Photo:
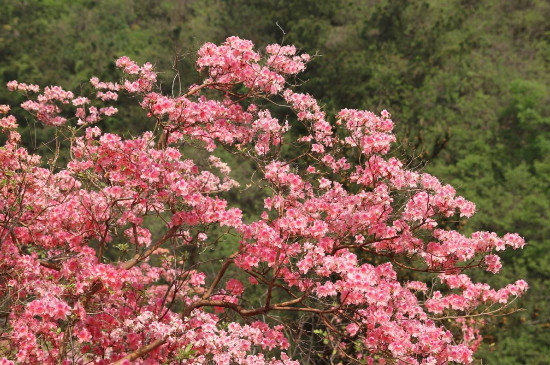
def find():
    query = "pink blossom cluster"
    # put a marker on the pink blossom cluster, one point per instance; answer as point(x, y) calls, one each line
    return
point(236, 61)
point(284, 60)
point(472, 294)
point(101, 85)
point(47, 108)
point(145, 81)
point(20, 86)
point(8, 122)
point(86, 278)
point(206, 120)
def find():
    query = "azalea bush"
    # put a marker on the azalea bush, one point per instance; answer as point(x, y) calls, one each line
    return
point(348, 237)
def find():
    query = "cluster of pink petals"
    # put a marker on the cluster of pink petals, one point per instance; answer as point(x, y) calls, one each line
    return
point(20, 86)
point(8, 122)
point(236, 61)
point(146, 77)
point(47, 106)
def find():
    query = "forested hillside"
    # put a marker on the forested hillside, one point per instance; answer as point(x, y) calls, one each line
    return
point(467, 83)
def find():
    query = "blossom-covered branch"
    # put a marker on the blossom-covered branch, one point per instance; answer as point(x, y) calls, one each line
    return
point(347, 234)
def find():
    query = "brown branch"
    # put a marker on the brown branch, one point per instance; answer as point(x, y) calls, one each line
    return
point(206, 84)
point(96, 286)
point(218, 277)
point(492, 313)
point(50, 265)
point(243, 312)
point(290, 302)
point(142, 351)
point(103, 240)
point(141, 256)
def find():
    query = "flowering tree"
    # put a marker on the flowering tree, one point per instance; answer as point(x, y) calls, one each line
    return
point(343, 227)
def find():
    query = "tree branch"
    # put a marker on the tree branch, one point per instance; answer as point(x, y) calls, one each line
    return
point(141, 256)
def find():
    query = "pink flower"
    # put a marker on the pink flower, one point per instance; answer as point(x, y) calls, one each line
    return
point(493, 263)
point(4, 109)
point(235, 287)
point(129, 66)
